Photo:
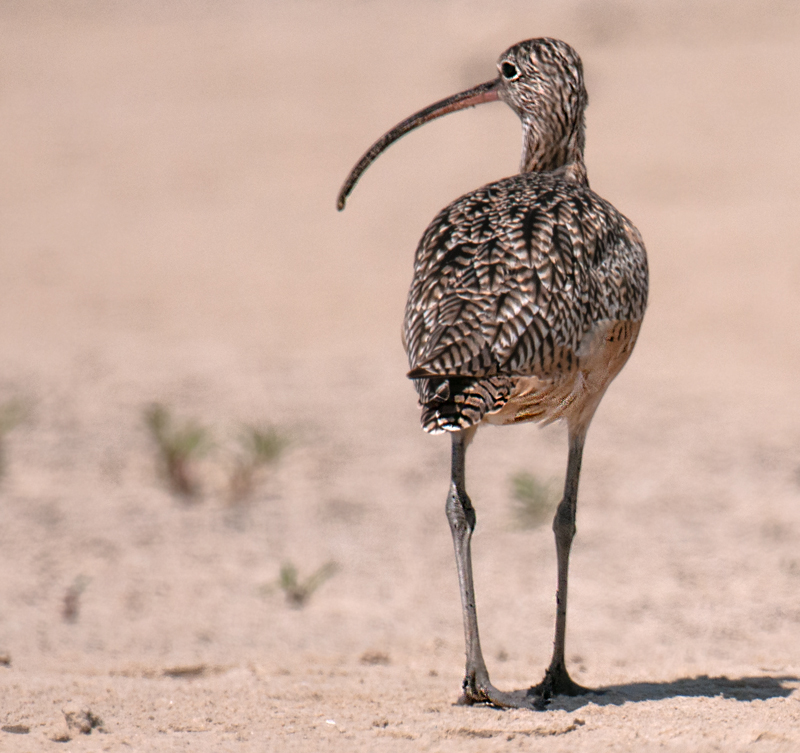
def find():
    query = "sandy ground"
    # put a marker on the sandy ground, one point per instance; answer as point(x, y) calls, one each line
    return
point(168, 233)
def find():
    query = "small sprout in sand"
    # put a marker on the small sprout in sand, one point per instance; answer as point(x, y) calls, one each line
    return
point(178, 447)
point(535, 501)
point(12, 413)
point(298, 592)
point(71, 605)
point(260, 447)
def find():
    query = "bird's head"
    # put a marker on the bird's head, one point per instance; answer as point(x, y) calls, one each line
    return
point(542, 81)
point(542, 76)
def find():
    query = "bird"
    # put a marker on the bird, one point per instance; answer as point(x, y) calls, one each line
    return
point(526, 301)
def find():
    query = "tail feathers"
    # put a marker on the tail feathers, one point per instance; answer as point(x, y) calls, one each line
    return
point(456, 403)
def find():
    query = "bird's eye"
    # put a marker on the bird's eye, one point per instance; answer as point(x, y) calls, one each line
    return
point(509, 70)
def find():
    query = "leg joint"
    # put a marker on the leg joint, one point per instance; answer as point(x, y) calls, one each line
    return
point(460, 512)
point(564, 522)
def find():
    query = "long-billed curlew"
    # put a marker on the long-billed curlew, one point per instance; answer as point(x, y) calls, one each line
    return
point(526, 302)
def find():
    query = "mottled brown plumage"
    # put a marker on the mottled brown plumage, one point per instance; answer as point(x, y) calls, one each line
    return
point(508, 282)
point(526, 301)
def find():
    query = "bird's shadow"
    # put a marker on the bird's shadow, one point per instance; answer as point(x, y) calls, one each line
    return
point(742, 689)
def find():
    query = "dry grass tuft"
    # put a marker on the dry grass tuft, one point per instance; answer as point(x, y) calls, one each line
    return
point(535, 501)
point(12, 413)
point(259, 447)
point(298, 592)
point(178, 447)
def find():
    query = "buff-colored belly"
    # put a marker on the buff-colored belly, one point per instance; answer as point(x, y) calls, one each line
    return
point(573, 395)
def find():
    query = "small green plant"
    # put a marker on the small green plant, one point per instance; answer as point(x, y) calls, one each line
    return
point(298, 592)
point(259, 447)
point(534, 501)
point(12, 413)
point(178, 448)
point(71, 604)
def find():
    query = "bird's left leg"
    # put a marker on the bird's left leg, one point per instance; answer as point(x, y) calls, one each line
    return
point(461, 516)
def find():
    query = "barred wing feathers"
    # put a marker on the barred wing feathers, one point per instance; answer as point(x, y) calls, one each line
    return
point(507, 281)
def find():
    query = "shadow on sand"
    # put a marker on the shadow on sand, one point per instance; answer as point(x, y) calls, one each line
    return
point(739, 689)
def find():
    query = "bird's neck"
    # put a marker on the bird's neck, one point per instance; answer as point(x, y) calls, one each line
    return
point(553, 146)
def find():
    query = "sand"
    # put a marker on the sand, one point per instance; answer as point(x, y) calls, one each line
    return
point(169, 235)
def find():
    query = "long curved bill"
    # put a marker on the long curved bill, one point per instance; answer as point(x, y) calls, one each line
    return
point(487, 92)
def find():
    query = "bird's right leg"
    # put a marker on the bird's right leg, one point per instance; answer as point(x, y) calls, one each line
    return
point(461, 516)
point(557, 680)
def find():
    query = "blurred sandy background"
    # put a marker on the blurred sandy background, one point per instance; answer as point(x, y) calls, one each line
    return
point(168, 175)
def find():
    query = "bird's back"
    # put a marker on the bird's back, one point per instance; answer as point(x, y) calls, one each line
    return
point(512, 284)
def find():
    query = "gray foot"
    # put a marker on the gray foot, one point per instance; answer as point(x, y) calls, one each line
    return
point(488, 695)
point(557, 682)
